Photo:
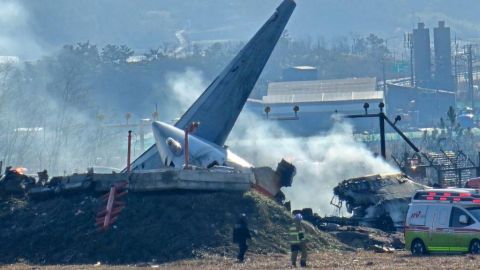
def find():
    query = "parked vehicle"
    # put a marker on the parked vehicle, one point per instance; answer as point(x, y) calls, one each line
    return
point(473, 183)
point(443, 220)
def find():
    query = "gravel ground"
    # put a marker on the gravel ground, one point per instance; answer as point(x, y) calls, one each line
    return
point(321, 260)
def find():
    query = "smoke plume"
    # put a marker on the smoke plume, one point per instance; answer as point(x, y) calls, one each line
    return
point(322, 161)
point(16, 37)
point(186, 87)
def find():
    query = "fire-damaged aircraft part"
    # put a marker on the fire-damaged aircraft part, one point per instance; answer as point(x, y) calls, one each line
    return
point(15, 181)
point(286, 171)
point(202, 153)
point(378, 200)
point(218, 107)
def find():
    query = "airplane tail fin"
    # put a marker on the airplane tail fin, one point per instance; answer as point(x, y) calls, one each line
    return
point(218, 107)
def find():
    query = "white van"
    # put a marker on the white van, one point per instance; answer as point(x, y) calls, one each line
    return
point(443, 220)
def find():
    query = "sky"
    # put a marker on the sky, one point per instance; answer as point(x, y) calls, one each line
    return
point(30, 29)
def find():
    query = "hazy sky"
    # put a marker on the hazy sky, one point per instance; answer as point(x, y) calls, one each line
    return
point(30, 28)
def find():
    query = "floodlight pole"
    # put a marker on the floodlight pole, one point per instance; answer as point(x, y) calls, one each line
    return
point(382, 118)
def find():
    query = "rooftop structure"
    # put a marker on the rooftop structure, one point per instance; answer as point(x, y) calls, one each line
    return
point(351, 89)
point(312, 103)
point(322, 86)
point(324, 97)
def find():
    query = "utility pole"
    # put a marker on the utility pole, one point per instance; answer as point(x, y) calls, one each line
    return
point(129, 150)
point(384, 76)
point(381, 118)
point(456, 64)
point(470, 75)
point(410, 45)
point(141, 130)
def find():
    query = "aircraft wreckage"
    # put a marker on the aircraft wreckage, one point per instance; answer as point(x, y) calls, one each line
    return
point(214, 114)
point(379, 200)
point(201, 161)
point(180, 159)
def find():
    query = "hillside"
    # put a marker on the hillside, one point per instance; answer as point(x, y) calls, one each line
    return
point(159, 228)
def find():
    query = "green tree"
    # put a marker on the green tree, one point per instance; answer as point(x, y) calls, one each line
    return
point(452, 116)
point(114, 54)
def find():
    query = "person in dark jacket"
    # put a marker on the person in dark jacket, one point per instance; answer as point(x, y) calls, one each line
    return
point(241, 234)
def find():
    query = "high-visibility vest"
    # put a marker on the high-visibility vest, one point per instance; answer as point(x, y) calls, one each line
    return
point(294, 235)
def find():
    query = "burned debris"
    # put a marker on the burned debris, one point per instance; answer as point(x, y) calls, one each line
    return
point(14, 181)
point(377, 200)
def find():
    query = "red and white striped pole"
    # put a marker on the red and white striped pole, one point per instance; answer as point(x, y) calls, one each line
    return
point(191, 128)
point(111, 198)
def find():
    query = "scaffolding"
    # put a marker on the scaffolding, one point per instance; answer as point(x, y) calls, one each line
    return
point(440, 169)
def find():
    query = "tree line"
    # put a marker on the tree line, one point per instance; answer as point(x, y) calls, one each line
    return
point(58, 112)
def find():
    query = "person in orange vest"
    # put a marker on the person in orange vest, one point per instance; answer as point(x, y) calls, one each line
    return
point(298, 241)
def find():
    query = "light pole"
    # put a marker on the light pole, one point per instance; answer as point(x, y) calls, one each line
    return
point(267, 110)
point(382, 119)
point(295, 110)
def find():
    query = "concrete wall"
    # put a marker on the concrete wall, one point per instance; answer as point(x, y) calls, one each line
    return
point(178, 179)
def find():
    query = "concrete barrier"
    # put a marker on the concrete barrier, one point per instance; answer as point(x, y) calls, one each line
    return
point(169, 179)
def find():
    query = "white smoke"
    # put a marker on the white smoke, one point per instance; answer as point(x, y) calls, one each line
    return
point(186, 87)
point(322, 161)
point(183, 43)
point(16, 37)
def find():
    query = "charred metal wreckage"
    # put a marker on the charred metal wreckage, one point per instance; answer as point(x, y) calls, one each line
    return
point(379, 200)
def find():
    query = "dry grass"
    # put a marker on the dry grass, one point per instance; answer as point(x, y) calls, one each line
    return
point(321, 260)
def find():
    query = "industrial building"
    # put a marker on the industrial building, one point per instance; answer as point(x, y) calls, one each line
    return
point(420, 107)
point(316, 102)
point(429, 98)
point(421, 54)
point(443, 58)
point(441, 78)
point(304, 105)
point(306, 108)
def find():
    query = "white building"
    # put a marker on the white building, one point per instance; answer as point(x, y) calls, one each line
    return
point(317, 101)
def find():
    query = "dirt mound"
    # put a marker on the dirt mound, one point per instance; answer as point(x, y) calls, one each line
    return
point(157, 227)
point(367, 238)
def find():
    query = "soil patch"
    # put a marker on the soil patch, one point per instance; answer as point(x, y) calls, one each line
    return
point(158, 227)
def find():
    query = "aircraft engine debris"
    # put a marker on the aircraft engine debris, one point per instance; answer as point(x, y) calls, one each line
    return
point(378, 200)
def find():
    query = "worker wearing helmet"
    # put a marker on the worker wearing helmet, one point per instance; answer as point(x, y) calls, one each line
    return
point(298, 241)
point(241, 234)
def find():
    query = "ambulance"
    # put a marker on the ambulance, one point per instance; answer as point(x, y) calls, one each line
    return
point(443, 220)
